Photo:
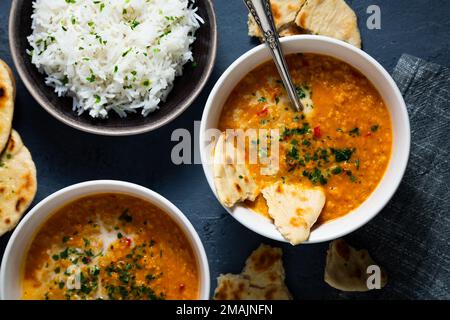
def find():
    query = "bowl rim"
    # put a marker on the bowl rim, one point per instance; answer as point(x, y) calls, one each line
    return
point(395, 179)
point(75, 191)
point(100, 130)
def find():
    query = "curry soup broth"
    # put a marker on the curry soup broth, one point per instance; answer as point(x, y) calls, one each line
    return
point(110, 246)
point(344, 144)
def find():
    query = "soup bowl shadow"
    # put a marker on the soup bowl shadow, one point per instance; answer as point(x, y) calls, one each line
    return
point(382, 81)
point(186, 88)
point(11, 271)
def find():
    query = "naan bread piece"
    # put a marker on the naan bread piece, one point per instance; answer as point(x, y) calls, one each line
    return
point(11, 76)
point(264, 267)
point(232, 177)
point(231, 287)
point(291, 30)
point(237, 287)
point(7, 93)
point(18, 183)
point(294, 209)
point(346, 267)
point(332, 18)
point(284, 13)
point(262, 278)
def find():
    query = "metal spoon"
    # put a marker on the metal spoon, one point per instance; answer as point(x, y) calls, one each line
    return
point(262, 12)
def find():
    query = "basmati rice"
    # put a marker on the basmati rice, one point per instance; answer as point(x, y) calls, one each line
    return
point(120, 55)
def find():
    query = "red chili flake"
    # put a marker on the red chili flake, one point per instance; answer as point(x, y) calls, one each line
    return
point(317, 132)
point(127, 241)
point(369, 134)
point(182, 286)
point(263, 112)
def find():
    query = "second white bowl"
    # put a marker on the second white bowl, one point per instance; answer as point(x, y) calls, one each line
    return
point(13, 258)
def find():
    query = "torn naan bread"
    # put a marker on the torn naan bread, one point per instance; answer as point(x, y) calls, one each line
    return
point(262, 278)
point(237, 287)
point(284, 13)
point(291, 30)
point(346, 267)
point(332, 18)
point(264, 267)
point(294, 209)
point(232, 177)
point(18, 183)
point(7, 94)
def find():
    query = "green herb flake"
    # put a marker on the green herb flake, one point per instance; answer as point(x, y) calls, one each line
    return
point(336, 170)
point(342, 155)
point(91, 78)
point(262, 99)
point(125, 216)
point(354, 132)
point(277, 100)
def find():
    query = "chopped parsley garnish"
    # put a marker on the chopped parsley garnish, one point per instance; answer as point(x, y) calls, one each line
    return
point(134, 24)
point(336, 170)
point(351, 176)
point(125, 216)
point(374, 128)
point(262, 99)
point(126, 52)
point(354, 132)
point(301, 94)
point(64, 254)
point(342, 155)
point(91, 78)
point(277, 100)
point(316, 176)
point(65, 80)
point(293, 153)
point(295, 131)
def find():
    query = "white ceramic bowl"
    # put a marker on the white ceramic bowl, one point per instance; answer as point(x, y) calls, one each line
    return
point(13, 258)
point(380, 79)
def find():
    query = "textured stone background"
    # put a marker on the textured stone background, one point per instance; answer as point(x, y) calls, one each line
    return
point(65, 156)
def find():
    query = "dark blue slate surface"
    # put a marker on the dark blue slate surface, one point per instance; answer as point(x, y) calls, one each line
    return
point(65, 156)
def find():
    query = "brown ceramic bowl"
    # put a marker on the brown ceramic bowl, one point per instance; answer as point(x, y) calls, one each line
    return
point(186, 87)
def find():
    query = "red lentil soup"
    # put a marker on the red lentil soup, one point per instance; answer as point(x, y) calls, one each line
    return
point(343, 143)
point(110, 246)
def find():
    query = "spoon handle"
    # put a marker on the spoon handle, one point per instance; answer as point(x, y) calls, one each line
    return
point(262, 13)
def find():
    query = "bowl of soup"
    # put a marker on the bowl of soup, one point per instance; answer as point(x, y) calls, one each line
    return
point(351, 140)
point(105, 240)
